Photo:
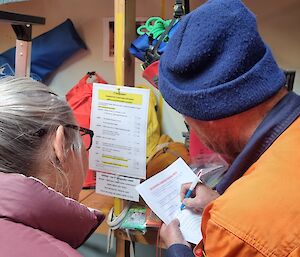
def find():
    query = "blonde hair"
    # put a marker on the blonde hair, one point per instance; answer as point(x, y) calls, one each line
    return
point(29, 117)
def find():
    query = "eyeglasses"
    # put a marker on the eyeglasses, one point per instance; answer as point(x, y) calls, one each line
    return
point(86, 134)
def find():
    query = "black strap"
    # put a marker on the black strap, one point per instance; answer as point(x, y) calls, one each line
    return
point(179, 9)
point(152, 54)
point(165, 33)
point(290, 78)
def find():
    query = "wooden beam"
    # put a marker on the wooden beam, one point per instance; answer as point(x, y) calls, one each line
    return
point(130, 35)
point(124, 34)
point(163, 9)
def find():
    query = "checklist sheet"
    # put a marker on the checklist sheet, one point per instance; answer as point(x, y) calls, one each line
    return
point(162, 194)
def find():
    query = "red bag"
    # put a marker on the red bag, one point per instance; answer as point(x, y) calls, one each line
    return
point(151, 73)
point(196, 146)
point(80, 99)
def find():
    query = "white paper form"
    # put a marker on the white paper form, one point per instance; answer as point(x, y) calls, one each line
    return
point(162, 194)
point(119, 120)
point(117, 186)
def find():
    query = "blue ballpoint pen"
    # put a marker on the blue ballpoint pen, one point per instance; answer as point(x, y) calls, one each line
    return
point(189, 192)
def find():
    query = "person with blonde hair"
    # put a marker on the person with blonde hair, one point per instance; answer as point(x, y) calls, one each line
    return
point(43, 164)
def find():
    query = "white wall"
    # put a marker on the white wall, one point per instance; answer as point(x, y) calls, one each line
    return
point(278, 22)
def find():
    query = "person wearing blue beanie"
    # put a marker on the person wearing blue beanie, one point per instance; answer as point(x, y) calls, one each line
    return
point(222, 77)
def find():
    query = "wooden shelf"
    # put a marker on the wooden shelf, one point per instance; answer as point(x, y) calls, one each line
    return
point(21, 19)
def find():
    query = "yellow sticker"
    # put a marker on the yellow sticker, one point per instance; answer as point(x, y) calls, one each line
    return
point(118, 96)
point(115, 158)
point(116, 164)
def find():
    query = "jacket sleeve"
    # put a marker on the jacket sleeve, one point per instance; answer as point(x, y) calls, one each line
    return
point(179, 250)
point(220, 242)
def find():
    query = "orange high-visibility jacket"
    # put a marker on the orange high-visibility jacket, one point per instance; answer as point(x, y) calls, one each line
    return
point(259, 214)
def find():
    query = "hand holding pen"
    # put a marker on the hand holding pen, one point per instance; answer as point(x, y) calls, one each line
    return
point(190, 191)
point(200, 193)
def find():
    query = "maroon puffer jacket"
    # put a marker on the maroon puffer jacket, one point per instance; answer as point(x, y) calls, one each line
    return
point(36, 221)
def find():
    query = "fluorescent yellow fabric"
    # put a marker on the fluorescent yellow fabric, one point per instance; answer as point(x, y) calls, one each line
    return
point(259, 214)
point(153, 127)
point(161, 150)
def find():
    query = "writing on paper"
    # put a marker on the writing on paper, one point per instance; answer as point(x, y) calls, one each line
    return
point(162, 194)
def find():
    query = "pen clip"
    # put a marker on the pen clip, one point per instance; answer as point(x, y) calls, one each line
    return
point(199, 172)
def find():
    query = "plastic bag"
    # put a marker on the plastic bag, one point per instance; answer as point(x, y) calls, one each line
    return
point(135, 219)
point(210, 168)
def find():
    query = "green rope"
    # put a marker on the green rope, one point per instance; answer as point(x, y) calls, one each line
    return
point(154, 27)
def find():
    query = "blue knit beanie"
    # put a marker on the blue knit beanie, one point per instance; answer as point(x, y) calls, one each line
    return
point(216, 64)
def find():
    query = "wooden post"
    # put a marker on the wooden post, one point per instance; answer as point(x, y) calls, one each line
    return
point(124, 34)
point(23, 57)
point(163, 9)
